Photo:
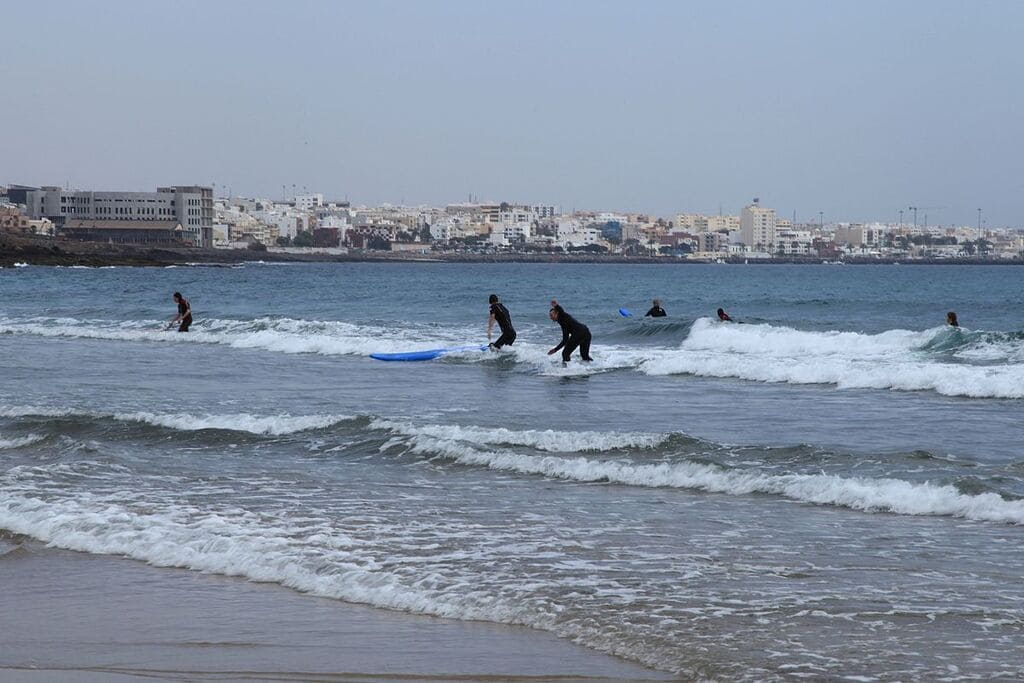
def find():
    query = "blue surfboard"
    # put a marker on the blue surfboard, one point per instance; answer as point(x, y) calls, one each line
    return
point(624, 312)
point(430, 354)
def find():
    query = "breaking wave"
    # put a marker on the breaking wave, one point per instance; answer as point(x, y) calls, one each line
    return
point(674, 460)
point(936, 360)
point(282, 335)
point(274, 425)
point(20, 441)
point(951, 362)
point(859, 493)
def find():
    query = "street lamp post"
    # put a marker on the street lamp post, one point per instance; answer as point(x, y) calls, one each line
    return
point(821, 220)
point(914, 209)
point(979, 224)
point(901, 220)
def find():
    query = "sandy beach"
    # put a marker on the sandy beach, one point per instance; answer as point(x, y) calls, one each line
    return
point(68, 616)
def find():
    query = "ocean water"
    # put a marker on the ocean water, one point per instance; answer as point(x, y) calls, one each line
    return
point(832, 487)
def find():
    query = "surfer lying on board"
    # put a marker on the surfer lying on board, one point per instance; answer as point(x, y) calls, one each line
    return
point(656, 310)
point(574, 334)
point(500, 315)
point(184, 313)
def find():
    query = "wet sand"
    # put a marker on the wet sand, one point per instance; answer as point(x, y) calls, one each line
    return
point(73, 617)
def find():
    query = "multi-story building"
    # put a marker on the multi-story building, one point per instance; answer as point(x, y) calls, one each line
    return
point(13, 220)
point(308, 202)
point(792, 243)
point(757, 227)
point(696, 223)
point(171, 215)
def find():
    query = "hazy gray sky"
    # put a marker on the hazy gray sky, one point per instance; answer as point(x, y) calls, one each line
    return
point(856, 109)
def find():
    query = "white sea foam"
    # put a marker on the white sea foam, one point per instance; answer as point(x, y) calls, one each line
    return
point(859, 493)
point(34, 411)
point(606, 359)
point(544, 440)
point(20, 441)
point(275, 425)
point(234, 543)
point(282, 335)
point(270, 425)
point(890, 360)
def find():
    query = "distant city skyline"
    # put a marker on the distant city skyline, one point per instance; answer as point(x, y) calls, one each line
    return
point(846, 111)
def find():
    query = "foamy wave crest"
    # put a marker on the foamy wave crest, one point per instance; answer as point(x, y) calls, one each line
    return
point(891, 360)
point(283, 335)
point(34, 411)
point(271, 425)
point(606, 359)
point(20, 441)
point(276, 425)
point(543, 440)
point(866, 494)
point(230, 542)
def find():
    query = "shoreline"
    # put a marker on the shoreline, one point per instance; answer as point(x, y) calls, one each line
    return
point(35, 251)
point(76, 617)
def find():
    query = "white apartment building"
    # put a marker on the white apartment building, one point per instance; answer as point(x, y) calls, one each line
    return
point(792, 242)
point(757, 227)
point(580, 237)
point(308, 202)
point(181, 213)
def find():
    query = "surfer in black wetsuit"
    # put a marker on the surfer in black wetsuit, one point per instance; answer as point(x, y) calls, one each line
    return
point(723, 316)
point(656, 310)
point(500, 315)
point(184, 316)
point(951, 319)
point(574, 334)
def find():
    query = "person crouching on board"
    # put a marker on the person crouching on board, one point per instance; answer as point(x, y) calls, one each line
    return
point(574, 334)
point(723, 316)
point(184, 316)
point(951, 319)
point(500, 315)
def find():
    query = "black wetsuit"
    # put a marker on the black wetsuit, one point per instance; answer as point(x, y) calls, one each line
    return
point(183, 309)
point(574, 334)
point(504, 318)
point(656, 312)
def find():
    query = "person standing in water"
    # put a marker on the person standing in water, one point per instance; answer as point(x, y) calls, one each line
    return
point(574, 334)
point(500, 315)
point(656, 310)
point(951, 319)
point(184, 316)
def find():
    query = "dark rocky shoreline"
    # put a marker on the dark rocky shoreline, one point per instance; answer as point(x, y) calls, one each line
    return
point(49, 252)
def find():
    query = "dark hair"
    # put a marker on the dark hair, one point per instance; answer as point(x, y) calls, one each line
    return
point(177, 295)
point(720, 311)
point(492, 299)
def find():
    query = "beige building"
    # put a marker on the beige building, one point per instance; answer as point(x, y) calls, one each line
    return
point(13, 220)
point(696, 223)
point(757, 227)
